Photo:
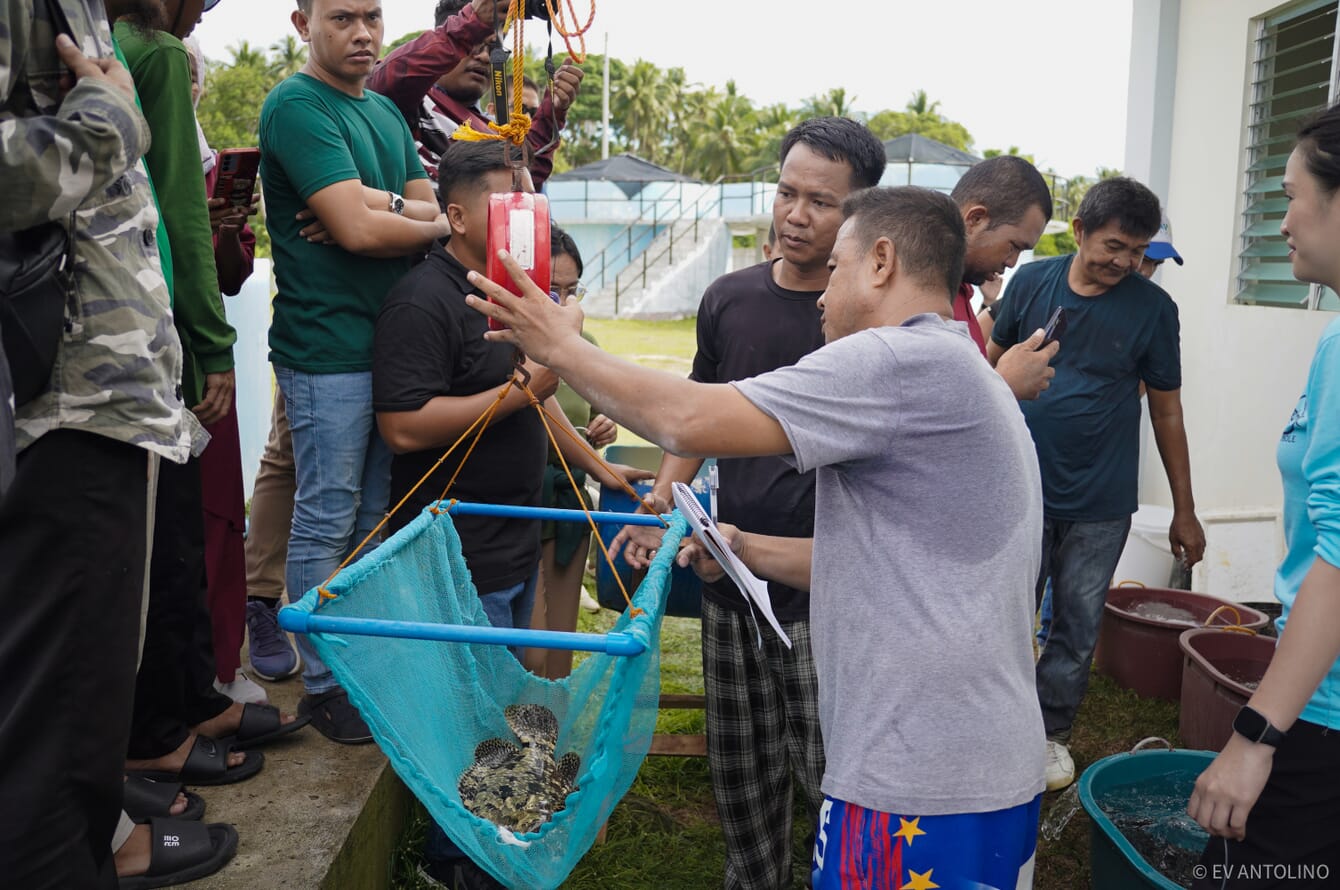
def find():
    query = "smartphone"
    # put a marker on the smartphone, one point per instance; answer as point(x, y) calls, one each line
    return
point(1055, 327)
point(237, 175)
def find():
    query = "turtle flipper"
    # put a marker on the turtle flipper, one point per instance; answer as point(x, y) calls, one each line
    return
point(495, 753)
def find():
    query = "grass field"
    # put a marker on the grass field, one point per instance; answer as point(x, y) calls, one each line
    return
point(664, 835)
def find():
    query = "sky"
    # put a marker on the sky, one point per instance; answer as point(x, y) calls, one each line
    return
point(1050, 78)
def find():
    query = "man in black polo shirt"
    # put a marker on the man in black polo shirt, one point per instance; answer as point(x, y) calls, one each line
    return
point(762, 704)
point(433, 375)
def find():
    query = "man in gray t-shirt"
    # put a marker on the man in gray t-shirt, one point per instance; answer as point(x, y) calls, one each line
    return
point(933, 720)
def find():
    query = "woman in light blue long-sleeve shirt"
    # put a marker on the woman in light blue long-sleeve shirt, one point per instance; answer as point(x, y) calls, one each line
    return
point(1272, 797)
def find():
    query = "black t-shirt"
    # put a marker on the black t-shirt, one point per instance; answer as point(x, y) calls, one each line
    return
point(747, 325)
point(428, 344)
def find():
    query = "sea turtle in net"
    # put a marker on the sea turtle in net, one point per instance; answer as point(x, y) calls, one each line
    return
point(520, 788)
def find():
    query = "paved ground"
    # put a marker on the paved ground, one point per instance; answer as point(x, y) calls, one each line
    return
point(298, 819)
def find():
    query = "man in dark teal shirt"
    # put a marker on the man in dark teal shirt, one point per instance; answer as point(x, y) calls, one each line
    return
point(335, 162)
point(1121, 331)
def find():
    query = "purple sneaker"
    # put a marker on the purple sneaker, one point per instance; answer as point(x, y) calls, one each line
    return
point(271, 652)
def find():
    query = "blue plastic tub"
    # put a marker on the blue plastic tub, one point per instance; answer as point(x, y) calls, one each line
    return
point(686, 591)
point(1150, 787)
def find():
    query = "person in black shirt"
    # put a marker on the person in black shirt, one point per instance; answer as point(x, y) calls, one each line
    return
point(433, 375)
point(762, 709)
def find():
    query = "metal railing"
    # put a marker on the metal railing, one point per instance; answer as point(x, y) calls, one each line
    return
point(621, 244)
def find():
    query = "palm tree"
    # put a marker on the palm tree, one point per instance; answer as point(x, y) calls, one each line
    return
point(642, 107)
point(834, 103)
point(725, 136)
point(289, 57)
point(244, 56)
point(920, 104)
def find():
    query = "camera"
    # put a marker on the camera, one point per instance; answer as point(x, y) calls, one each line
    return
point(536, 9)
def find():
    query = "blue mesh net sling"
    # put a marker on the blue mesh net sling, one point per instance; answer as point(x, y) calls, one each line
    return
point(405, 634)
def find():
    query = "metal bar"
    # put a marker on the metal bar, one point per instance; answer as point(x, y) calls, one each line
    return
point(514, 512)
point(304, 622)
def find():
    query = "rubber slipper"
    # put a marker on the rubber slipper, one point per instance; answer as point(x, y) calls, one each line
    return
point(145, 799)
point(261, 724)
point(207, 764)
point(183, 851)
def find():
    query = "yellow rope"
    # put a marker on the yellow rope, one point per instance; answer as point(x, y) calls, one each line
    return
point(518, 123)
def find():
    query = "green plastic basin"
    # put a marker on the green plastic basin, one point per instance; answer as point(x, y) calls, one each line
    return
point(1118, 782)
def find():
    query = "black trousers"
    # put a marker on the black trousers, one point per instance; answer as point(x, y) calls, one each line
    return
point(72, 551)
point(175, 686)
point(1293, 832)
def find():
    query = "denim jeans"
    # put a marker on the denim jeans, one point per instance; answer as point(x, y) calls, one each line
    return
point(509, 607)
point(1045, 615)
point(343, 474)
point(1079, 558)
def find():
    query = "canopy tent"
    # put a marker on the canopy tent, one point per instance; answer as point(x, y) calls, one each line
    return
point(627, 171)
point(918, 160)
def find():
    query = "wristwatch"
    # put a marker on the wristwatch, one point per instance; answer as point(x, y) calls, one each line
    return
point(397, 203)
point(1253, 725)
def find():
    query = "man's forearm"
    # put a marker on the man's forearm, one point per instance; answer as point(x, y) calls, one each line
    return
point(674, 469)
point(442, 420)
point(387, 235)
point(1170, 436)
point(409, 72)
point(784, 560)
point(676, 413)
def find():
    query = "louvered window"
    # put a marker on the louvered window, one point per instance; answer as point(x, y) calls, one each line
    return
point(1292, 77)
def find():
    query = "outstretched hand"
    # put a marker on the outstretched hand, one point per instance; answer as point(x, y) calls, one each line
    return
point(536, 324)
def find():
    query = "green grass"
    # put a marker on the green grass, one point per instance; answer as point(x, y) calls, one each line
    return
point(664, 835)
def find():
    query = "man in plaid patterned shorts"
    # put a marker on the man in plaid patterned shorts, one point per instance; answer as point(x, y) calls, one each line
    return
point(762, 708)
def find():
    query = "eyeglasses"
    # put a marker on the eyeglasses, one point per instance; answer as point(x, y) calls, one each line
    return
point(572, 291)
point(532, 110)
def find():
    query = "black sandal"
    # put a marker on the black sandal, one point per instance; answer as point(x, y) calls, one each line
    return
point(183, 851)
point(260, 724)
point(207, 764)
point(145, 799)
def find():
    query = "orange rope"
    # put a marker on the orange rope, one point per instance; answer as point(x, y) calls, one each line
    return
point(478, 427)
point(556, 16)
point(482, 419)
point(595, 532)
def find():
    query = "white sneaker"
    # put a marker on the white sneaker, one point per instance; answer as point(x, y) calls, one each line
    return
point(243, 689)
point(588, 602)
point(1060, 768)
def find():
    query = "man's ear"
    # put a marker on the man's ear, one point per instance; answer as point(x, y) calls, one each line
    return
point(976, 219)
point(301, 24)
point(456, 218)
point(1077, 229)
point(883, 258)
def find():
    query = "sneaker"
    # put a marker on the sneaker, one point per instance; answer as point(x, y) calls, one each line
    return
point(589, 602)
point(243, 690)
point(268, 647)
point(335, 717)
point(1060, 768)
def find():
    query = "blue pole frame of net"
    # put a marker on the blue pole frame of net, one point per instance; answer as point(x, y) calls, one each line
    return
point(303, 621)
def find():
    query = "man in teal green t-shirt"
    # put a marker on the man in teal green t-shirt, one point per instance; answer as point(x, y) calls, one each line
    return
point(335, 162)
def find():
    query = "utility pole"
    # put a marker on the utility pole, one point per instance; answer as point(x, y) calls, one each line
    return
point(605, 104)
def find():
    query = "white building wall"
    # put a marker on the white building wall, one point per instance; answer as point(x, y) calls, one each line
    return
point(1243, 366)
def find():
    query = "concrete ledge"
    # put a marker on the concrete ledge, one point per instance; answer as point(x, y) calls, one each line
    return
point(318, 815)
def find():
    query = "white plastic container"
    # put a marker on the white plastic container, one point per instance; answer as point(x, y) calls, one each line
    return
point(1147, 557)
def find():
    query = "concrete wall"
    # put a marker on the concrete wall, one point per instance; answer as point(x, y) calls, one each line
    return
point(678, 292)
point(1243, 366)
point(249, 313)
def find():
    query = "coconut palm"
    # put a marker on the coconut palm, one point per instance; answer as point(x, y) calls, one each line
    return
point(288, 57)
point(642, 105)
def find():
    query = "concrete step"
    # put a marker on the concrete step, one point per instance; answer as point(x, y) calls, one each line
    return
point(319, 815)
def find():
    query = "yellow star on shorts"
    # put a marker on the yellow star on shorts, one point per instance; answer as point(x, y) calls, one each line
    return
point(909, 830)
point(920, 880)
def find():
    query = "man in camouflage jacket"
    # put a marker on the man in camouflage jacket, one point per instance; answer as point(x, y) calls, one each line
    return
point(74, 524)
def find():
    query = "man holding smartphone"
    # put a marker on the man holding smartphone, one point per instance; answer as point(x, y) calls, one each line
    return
point(348, 204)
point(1121, 331)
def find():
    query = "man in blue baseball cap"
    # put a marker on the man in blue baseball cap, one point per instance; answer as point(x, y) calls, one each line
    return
point(1160, 249)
